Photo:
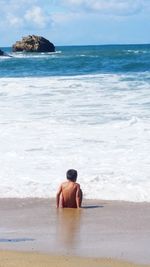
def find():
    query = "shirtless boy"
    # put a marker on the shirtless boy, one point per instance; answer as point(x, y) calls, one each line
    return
point(69, 192)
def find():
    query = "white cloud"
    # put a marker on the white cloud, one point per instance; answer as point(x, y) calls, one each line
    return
point(62, 18)
point(23, 13)
point(114, 7)
point(15, 5)
point(14, 21)
point(36, 15)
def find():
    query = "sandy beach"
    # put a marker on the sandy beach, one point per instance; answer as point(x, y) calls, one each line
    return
point(102, 233)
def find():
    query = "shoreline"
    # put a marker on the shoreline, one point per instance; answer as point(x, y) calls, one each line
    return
point(85, 200)
point(29, 259)
point(117, 230)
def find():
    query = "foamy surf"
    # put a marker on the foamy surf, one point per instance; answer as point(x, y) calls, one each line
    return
point(97, 124)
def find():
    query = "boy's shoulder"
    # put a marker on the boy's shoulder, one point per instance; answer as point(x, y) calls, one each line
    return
point(66, 183)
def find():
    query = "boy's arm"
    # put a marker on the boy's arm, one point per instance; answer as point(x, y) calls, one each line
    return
point(78, 200)
point(58, 196)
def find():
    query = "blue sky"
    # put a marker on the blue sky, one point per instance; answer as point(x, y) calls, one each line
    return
point(76, 22)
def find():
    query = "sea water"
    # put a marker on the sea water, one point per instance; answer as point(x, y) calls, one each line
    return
point(82, 107)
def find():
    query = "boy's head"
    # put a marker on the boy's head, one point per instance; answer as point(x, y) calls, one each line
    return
point(72, 175)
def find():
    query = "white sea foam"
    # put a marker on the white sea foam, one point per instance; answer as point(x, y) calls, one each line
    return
point(98, 125)
point(129, 51)
point(34, 55)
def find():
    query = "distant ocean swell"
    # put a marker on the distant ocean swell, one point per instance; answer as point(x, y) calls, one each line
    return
point(77, 60)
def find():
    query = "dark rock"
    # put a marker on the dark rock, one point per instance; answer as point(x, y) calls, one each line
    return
point(33, 43)
point(1, 53)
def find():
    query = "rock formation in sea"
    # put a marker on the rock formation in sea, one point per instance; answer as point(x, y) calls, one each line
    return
point(4, 54)
point(1, 53)
point(33, 43)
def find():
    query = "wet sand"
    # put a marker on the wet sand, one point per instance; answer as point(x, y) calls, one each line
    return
point(101, 229)
point(17, 259)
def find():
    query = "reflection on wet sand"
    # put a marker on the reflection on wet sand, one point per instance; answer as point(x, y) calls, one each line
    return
point(69, 222)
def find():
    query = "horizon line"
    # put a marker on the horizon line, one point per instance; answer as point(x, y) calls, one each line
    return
point(105, 44)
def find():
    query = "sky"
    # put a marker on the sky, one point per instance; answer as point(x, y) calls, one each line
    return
point(76, 22)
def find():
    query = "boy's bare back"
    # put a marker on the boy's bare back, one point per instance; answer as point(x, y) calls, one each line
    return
point(70, 194)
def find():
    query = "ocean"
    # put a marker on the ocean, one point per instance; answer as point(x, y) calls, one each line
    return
point(82, 107)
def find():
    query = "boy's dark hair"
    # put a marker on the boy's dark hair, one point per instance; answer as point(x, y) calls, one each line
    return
point(72, 175)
